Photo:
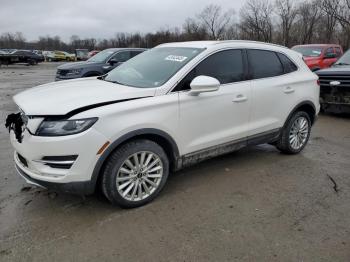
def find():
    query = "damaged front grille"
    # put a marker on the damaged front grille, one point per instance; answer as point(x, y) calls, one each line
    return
point(335, 89)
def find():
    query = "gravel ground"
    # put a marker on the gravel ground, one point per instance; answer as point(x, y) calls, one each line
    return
point(252, 205)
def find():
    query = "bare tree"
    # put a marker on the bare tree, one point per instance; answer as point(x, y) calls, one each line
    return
point(340, 9)
point(215, 21)
point(308, 16)
point(331, 11)
point(256, 22)
point(287, 13)
point(194, 30)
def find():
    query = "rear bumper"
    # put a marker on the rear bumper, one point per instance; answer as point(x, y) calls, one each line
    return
point(77, 188)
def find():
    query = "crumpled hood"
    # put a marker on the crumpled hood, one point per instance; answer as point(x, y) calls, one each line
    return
point(60, 98)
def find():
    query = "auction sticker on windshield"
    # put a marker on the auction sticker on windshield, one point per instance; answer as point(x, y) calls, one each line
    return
point(176, 58)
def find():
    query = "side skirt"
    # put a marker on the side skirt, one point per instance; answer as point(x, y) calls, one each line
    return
point(204, 154)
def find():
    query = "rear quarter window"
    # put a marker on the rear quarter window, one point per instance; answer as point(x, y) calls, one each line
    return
point(288, 65)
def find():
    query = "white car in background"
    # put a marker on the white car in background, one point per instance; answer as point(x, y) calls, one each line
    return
point(167, 108)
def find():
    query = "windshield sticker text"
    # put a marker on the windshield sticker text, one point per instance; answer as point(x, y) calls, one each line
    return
point(176, 58)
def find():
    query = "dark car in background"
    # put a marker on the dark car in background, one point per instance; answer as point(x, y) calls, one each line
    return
point(319, 56)
point(99, 64)
point(20, 56)
point(335, 86)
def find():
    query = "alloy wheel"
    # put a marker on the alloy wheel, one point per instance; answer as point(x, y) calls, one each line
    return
point(299, 133)
point(139, 176)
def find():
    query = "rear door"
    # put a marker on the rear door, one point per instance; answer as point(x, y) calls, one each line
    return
point(274, 89)
point(218, 117)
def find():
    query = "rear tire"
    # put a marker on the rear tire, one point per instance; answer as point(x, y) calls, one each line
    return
point(295, 134)
point(135, 173)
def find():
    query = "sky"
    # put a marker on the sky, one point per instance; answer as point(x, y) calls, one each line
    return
point(99, 18)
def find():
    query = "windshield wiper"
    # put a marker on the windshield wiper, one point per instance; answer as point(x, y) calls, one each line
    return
point(114, 82)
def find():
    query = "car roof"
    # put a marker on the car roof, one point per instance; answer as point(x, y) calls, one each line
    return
point(230, 43)
point(120, 48)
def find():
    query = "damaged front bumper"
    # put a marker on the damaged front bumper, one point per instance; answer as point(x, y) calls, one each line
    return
point(78, 188)
point(59, 163)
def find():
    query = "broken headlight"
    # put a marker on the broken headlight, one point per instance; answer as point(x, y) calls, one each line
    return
point(64, 127)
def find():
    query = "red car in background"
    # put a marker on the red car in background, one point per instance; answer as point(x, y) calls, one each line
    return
point(93, 52)
point(319, 56)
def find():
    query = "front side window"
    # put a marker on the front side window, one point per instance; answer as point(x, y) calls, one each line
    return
point(101, 57)
point(226, 66)
point(264, 64)
point(329, 51)
point(121, 56)
point(152, 68)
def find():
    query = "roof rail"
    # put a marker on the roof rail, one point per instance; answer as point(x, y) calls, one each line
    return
point(249, 41)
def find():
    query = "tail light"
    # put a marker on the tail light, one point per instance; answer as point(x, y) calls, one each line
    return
point(318, 82)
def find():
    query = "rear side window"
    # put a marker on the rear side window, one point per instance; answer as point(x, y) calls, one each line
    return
point(264, 64)
point(288, 65)
point(226, 66)
point(134, 53)
point(338, 51)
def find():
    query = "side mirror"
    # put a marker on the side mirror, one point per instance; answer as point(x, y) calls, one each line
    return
point(330, 55)
point(113, 61)
point(201, 84)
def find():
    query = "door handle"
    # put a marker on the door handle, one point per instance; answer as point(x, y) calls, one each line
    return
point(240, 98)
point(289, 90)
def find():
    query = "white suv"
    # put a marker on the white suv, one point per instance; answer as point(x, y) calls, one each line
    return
point(167, 108)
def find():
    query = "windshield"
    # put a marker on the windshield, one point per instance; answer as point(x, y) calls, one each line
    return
point(308, 51)
point(101, 57)
point(152, 68)
point(344, 60)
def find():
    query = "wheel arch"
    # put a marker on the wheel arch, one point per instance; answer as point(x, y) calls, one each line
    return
point(306, 106)
point(160, 137)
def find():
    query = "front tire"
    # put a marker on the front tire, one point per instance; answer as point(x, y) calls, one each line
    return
point(135, 173)
point(295, 134)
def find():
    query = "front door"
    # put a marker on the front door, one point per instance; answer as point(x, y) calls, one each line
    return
point(218, 117)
